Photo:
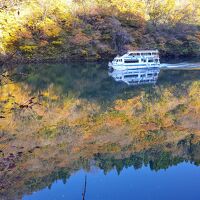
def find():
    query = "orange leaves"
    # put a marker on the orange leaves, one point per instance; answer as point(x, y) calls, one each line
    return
point(43, 43)
point(87, 136)
point(129, 7)
point(197, 35)
point(114, 122)
point(81, 39)
point(25, 34)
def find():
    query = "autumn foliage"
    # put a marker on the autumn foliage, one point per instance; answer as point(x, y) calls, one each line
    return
point(58, 29)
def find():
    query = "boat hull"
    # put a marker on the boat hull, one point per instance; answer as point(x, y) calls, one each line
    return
point(133, 66)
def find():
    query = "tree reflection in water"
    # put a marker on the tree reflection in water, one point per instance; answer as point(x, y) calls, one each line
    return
point(58, 119)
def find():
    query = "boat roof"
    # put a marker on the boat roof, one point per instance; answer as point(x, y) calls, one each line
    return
point(144, 51)
point(138, 51)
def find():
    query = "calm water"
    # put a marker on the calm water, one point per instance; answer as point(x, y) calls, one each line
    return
point(70, 131)
point(180, 182)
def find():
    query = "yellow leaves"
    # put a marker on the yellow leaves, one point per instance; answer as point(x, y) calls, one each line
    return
point(57, 42)
point(50, 93)
point(84, 52)
point(194, 93)
point(49, 27)
point(172, 11)
point(160, 11)
point(11, 94)
point(9, 28)
point(194, 90)
point(34, 18)
point(11, 91)
point(143, 113)
point(130, 7)
point(111, 148)
point(28, 49)
point(129, 106)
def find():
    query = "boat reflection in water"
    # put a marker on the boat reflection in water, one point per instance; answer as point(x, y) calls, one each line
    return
point(136, 76)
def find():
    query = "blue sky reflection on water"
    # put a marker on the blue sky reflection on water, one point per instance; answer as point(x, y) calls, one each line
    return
point(177, 182)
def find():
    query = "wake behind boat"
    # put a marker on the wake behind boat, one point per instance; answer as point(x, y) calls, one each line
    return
point(182, 65)
point(136, 60)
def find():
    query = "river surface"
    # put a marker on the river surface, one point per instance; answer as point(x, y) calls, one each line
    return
point(74, 131)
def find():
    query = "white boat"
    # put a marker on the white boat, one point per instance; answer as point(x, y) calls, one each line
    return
point(136, 60)
point(136, 76)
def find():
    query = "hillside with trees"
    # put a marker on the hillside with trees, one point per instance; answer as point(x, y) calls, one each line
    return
point(57, 30)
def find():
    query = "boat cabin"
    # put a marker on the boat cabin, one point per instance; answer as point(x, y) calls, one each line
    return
point(135, 59)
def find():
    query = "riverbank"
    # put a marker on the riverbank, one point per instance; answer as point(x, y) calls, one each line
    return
point(166, 62)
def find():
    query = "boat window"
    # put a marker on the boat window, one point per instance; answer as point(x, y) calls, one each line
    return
point(154, 53)
point(131, 61)
point(131, 76)
point(142, 75)
point(150, 60)
point(149, 75)
point(156, 60)
point(134, 54)
point(146, 54)
point(143, 60)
